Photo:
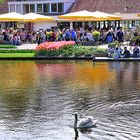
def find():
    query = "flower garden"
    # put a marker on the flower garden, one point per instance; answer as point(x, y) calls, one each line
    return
point(60, 49)
point(67, 49)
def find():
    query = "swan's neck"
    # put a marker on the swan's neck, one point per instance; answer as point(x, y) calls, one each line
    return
point(76, 120)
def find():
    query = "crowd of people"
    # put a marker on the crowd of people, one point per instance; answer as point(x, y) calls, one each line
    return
point(19, 36)
point(103, 36)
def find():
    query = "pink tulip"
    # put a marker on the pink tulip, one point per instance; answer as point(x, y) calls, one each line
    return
point(54, 45)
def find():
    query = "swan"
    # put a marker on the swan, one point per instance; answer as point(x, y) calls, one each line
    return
point(86, 122)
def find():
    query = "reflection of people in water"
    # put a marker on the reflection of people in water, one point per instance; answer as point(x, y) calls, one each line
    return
point(115, 65)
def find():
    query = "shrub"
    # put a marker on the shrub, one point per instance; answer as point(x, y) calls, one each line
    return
point(68, 50)
point(100, 52)
point(79, 52)
point(84, 51)
point(114, 44)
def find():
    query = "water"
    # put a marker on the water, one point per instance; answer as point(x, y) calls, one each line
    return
point(38, 99)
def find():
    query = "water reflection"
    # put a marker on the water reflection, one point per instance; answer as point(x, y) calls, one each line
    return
point(38, 98)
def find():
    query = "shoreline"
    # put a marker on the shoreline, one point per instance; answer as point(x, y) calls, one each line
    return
point(106, 59)
point(94, 59)
point(46, 58)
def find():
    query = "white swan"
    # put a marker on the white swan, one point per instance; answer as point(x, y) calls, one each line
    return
point(86, 122)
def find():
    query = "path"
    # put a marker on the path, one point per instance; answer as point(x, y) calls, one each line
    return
point(27, 46)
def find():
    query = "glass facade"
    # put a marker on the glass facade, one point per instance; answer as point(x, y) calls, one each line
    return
point(32, 8)
point(55, 7)
point(12, 8)
point(46, 8)
point(39, 8)
point(60, 7)
point(18, 8)
point(26, 8)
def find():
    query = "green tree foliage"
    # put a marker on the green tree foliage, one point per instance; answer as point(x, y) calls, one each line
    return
point(2, 1)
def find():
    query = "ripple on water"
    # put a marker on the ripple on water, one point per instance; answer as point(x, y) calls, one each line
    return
point(38, 100)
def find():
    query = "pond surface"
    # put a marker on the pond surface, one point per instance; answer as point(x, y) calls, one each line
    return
point(38, 99)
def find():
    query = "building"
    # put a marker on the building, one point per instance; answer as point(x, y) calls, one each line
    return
point(58, 7)
point(45, 7)
point(109, 6)
point(128, 9)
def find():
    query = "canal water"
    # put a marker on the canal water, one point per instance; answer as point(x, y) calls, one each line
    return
point(38, 100)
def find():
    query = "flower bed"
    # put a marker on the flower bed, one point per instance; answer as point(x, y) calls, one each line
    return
point(54, 45)
point(67, 49)
point(54, 48)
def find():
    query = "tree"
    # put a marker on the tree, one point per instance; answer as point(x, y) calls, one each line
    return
point(2, 1)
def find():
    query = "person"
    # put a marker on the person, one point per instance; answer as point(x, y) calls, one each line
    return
point(15, 40)
point(5, 36)
point(89, 36)
point(38, 38)
point(59, 35)
point(73, 35)
point(67, 35)
point(120, 35)
point(53, 36)
point(126, 53)
point(110, 51)
point(33, 37)
point(109, 37)
point(136, 52)
point(117, 53)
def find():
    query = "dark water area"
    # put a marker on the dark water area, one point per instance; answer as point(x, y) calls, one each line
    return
point(38, 99)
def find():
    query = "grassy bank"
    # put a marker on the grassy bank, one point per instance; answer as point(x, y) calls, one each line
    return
point(10, 53)
point(17, 55)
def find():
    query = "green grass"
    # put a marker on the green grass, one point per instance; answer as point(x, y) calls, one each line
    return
point(16, 51)
point(16, 55)
point(7, 46)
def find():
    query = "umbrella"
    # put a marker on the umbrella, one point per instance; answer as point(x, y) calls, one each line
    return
point(129, 16)
point(38, 17)
point(105, 16)
point(80, 15)
point(13, 16)
point(138, 15)
point(90, 16)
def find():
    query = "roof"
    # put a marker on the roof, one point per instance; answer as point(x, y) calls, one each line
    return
point(109, 6)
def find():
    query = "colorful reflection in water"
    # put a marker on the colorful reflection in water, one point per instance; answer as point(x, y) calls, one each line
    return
point(38, 98)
